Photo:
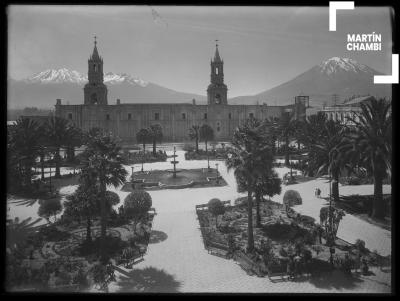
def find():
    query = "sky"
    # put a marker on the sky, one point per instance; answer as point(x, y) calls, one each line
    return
point(262, 47)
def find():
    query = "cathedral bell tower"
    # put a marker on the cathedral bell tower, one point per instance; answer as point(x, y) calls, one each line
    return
point(95, 90)
point(217, 91)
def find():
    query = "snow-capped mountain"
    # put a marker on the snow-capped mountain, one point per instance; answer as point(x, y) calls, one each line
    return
point(342, 76)
point(43, 88)
point(336, 65)
point(64, 75)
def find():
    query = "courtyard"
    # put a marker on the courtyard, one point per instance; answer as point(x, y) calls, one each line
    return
point(176, 260)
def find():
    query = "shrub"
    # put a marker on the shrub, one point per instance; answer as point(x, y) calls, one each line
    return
point(49, 208)
point(291, 198)
point(216, 207)
point(137, 204)
point(360, 245)
point(51, 233)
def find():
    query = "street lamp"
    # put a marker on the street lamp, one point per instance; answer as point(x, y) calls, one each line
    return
point(142, 160)
point(216, 165)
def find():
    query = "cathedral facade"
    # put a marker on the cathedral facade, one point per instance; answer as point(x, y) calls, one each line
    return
point(124, 120)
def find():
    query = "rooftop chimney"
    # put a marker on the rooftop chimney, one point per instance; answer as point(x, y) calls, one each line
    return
point(118, 101)
point(58, 101)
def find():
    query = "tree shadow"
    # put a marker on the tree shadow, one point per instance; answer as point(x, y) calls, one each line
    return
point(148, 280)
point(334, 280)
point(157, 236)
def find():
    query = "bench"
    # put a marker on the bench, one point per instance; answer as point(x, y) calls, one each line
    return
point(248, 264)
point(276, 273)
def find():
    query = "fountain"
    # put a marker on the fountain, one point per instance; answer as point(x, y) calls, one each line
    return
point(174, 162)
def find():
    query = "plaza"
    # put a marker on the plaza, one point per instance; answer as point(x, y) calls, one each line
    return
point(182, 256)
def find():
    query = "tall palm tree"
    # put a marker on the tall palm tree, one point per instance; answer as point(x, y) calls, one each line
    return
point(194, 134)
point(206, 134)
point(373, 141)
point(326, 155)
point(143, 137)
point(286, 128)
point(24, 139)
point(156, 135)
point(75, 139)
point(249, 156)
point(83, 202)
point(101, 158)
point(58, 134)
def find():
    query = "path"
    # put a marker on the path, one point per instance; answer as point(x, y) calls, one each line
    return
point(189, 268)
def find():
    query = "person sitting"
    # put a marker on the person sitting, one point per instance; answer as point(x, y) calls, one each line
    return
point(290, 269)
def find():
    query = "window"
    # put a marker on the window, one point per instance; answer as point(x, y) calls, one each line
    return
point(205, 115)
point(251, 115)
point(230, 116)
point(95, 67)
point(157, 116)
point(129, 116)
point(108, 116)
point(69, 115)
point(216, 70)
point(183, 116)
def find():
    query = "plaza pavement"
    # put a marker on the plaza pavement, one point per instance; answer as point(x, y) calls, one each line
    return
point(182, 255)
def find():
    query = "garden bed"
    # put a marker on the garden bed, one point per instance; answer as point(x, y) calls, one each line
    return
point(283, 235)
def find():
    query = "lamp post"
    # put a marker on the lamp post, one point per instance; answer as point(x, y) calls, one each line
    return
point(216, 165)
point(142, 160)
point(51, 192)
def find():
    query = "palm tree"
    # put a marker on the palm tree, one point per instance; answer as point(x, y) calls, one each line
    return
point(373, 141)
point(75, 139)
point(206, 134)
point(327, 155)
point(156, 135)
point(83, 202)
point(286, 128)
point(311, 131)
point(58, 134)
point(194, 134)
point(143, 137)
point(249, 157)
point(23, 144)
point(101, 158)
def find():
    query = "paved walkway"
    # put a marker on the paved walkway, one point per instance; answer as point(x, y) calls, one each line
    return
point(179, 262)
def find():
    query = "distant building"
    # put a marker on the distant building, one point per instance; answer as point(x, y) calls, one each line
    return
point(126, 119)
point(342, 112)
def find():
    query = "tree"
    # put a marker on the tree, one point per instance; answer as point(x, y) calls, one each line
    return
point(373, 141)
point(249, 156)
point(23, 147)
point(58, 133)
point(143, 137)
point(206, 134)
point(216, 207)
point(268, 184)
point(136, 205)
point(286, 129)
point(311, 131)
point(101, 159)
point(326, 155)
point(156, 135)
point(75, 139)
point(84, 201)
point(194, 134)
point(330, 218)
point(49, 208)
